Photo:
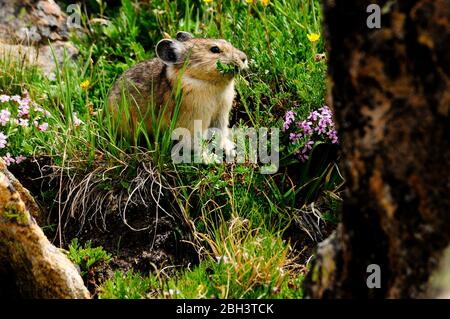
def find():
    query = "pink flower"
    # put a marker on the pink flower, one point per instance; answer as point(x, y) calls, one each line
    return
point(76, 121)
point(4, 98)
point(3, 140)
point(4, 116)
point(23, 122)
point(306, 127)
point(25, 102)
point(24, 110)
point(20, 159)
point(15, 98)
point(43, 127)
point(288, 119)
point(8, 159)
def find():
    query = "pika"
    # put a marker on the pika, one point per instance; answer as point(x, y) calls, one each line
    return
point(190, 64)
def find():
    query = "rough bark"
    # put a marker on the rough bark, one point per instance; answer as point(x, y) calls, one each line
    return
point(38, 269)
point(390, 93)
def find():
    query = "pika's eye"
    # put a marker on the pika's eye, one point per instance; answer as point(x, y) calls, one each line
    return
point(215, 49)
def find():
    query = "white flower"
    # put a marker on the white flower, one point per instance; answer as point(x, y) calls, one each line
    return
point(223, 259)
point(23, 122)
point(4, 116)
point(3, 140)
point(4, 98)
point(76, 121)
point(16, 98)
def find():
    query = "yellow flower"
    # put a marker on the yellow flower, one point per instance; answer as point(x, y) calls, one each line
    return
point(249, 1)
point(85, 84)
point(265, 3)
point(313, 37)
point(207, 1)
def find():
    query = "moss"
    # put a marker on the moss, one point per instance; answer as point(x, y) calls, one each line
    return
point(13, 213)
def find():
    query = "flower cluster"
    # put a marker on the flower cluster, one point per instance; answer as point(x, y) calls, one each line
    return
point(19, 116)
point(317, 128)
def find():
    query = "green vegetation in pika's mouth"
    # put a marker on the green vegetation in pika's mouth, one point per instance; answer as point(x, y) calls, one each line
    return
point(226, 68)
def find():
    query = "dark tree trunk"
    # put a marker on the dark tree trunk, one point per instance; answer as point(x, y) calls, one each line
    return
point(390, 93)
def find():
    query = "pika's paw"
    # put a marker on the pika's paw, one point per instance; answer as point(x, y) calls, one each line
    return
point(229, 148)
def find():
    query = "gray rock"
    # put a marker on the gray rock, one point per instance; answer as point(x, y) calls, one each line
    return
point(32, 22)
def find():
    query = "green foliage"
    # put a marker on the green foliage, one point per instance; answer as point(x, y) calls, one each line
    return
point(126, 286)
point(245, 264)
point(86, 257)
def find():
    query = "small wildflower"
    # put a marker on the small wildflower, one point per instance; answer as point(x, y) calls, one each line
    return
point(3, 140)
point(308, 146)
point(313, 37)
point(294, 136)
point(76, 121)
point(5, 115)
point(85, 84)
point(16, 98)
point(4, 98)
point(174, 292)
point(23, 122)
point(43, 127)
point(317, 127)
point(8, 159)
point(288, 119)
point(265, 3)
point(302, 157)
point(38, 109)
point(223, 259)
point(332, 135)
point(51, 77)
point(20, 159)
point(24, 102)
point(306, 127)
point(24, 110)
point(313, 116)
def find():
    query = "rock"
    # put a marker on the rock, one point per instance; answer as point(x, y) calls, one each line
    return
point(30, 203)
point(28, 28)
point(32, 22)
point(41, 56)
point(40, 269)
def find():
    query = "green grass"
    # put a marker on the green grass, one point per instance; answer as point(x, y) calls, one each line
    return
point(244, 262)
point(233, 210)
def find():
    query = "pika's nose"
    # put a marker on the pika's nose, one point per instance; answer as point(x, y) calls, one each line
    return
point(243, 58)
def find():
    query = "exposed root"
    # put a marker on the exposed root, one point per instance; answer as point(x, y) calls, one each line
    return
point(90, 197)
point(308, 219)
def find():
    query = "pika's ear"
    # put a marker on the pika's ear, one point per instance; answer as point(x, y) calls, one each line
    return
point(183, 36)
point(168, 50)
